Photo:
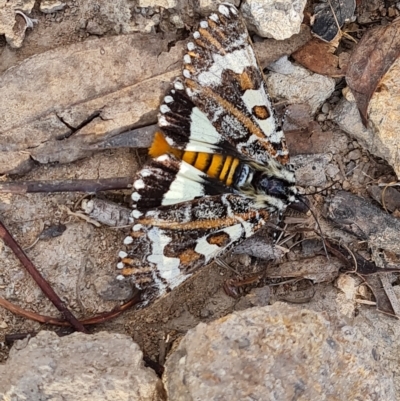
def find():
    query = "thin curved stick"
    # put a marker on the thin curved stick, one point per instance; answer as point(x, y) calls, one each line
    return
point(100, 318)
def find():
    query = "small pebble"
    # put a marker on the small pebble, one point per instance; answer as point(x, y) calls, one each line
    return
point(205, 313)
point(325, 108)
point(332, 170)
point(346, 185)
point(350, 166)
point(354, 154)
point(3, 324)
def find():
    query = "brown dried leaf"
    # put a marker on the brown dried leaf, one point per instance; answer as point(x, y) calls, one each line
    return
point(370, 60)
point(318, 57)
point(383, 303)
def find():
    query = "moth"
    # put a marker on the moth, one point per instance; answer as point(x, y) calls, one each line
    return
point(220, 164)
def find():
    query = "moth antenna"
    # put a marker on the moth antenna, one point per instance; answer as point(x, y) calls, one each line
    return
point(276, 240)
point(319, 227)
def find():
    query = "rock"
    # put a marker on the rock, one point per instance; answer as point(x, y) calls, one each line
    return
point(310, 169)
point(346, 185)
point(14, 22)
point(157, 3)
point(112, 17)
point(208, 6)
point(256, 297)
point(354, 154)
point(259, 247)
point(94, 28)
point(332, 170)
point(325, 108)
point(111, 289)
point(279, 350)
point(100, 88)
point(274, 19)
point(282, 66)
point(382, 137)
point(78, 367)
point(301, 86)
point(346, 299)
point(15, 162)
point(51, 6)
point(270, 50)
point(177, 21)
point(106, 212)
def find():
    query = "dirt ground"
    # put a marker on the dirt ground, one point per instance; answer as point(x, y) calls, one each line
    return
point(80, 264)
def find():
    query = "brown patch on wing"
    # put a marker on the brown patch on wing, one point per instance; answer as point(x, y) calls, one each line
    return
point(190, 68)
point(283, 159)
point(136, 234)
point(189, 256)
point(133, 271)
point(210, 39)
point(200, 43)
point(220, 239)
point(264, 215)
point(128, 261)
point(193, 54)
point(260, 112)
point(245, 81)
point(198, 224)
point(216, 29)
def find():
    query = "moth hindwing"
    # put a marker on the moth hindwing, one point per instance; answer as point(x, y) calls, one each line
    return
point(220, 165)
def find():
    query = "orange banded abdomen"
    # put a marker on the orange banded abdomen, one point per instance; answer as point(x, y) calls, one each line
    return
point(221, 167)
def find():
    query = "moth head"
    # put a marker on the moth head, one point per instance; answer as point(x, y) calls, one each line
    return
point(300, 204)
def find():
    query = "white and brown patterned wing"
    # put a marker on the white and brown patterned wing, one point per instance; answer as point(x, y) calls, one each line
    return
point(222, 101)
point(167, 180)
point(166, 246)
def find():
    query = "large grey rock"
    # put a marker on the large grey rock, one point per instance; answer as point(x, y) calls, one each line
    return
point(78, 367)
point(91, 92)
point(276, 353)
point(298, 85)
point(310, 169)
point(51, 6)
point(274, 19)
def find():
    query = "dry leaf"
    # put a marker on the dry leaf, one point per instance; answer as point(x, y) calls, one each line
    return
point(370, 60)
point(318, 57)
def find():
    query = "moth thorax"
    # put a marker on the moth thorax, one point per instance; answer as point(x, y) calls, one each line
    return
point(277, 187)
point(243, 175)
